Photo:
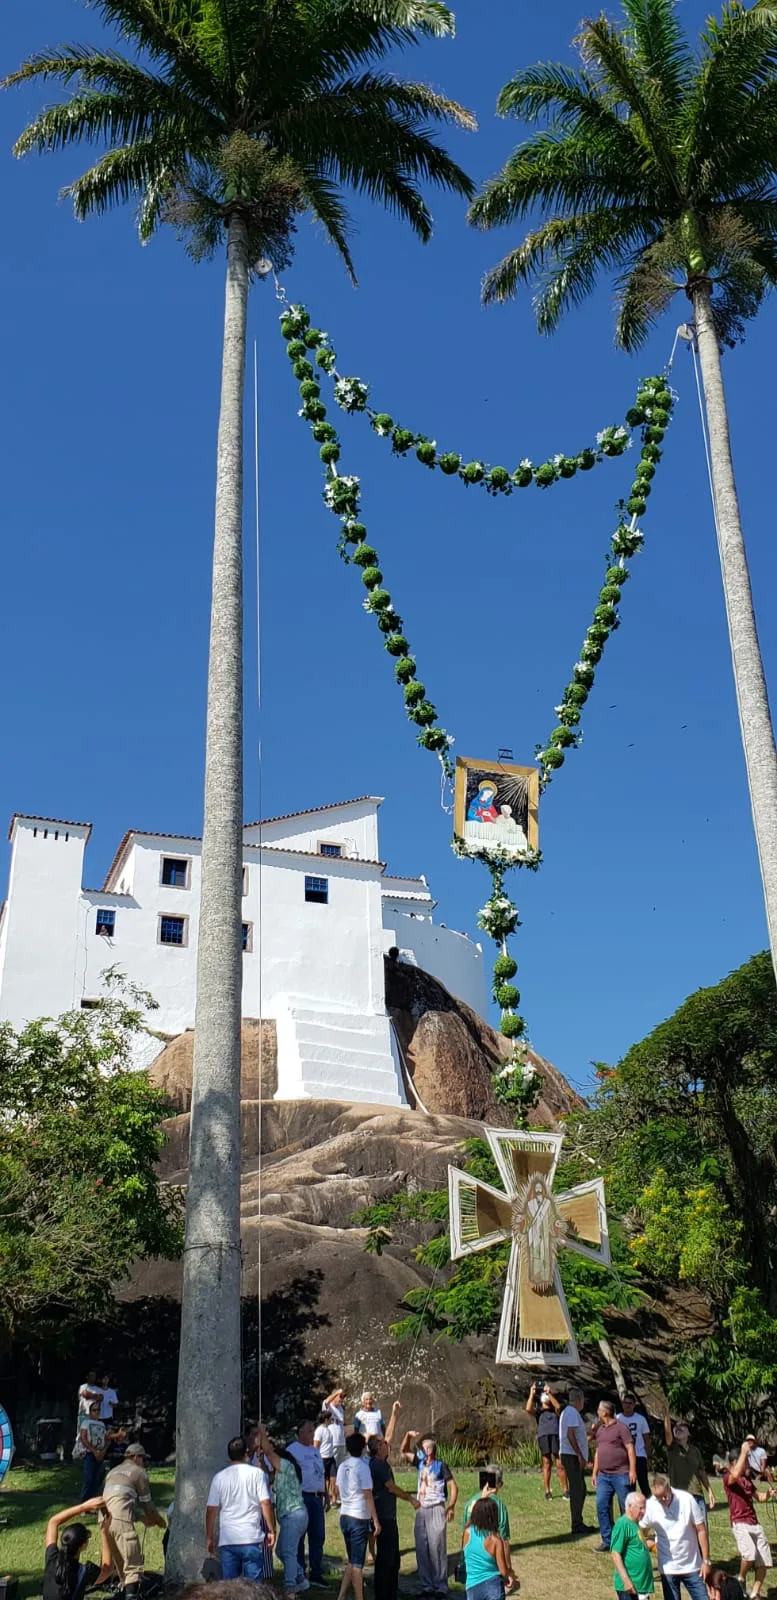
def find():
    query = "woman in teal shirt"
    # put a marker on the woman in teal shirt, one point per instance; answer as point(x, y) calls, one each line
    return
point(486, 1563)
point(290, 1511)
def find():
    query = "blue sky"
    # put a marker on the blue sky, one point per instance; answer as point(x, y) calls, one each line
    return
point(650, 884)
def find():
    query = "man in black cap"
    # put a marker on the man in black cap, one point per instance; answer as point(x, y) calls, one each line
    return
point(127, 1496)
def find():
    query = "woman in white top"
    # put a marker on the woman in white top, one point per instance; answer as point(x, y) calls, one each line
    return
point(334, 1407)
point(324, 1443)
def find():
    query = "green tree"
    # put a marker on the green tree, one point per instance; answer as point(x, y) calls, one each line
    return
point(80, 1136)
point(697, 1101)
point(228, 120)
point(656, 162)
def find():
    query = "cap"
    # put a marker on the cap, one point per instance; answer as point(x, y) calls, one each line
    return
point(748, 1437)
point(136, 1450)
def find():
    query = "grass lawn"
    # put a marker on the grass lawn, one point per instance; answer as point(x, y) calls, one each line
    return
point(548, 1564)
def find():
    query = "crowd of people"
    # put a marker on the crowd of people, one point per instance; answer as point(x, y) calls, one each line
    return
point(269, 1502)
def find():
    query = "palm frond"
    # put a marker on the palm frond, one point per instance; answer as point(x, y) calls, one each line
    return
point(120, 175)
point(643, 292)
point(570, 173)
point(623, 79)
point(662, 47)
point(563, 257)
point(325, 202)
point(372, 128)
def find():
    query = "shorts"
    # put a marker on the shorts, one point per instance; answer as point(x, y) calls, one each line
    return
point(752, 1543)
point(330, 1468)
point(548, 1443)
point(355, 1532)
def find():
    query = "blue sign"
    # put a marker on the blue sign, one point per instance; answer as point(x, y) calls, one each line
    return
point(6, 1443)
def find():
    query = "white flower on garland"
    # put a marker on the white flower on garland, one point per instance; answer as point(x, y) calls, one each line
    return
point(499, 912)
point(351, 394)
point(526, 464)
point(581, 669)
point(381, 430)
point(557, 460)
point(330, 492)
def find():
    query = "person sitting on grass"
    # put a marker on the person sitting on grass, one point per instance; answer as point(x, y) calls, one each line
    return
point(65, 1575)
point(487, 1565)
point(630, 1555)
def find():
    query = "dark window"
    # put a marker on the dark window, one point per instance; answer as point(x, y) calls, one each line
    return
point(106, 923)
point(246, 937)
point(174, 872)
point(89, 1005)
point(171, 930)
point(317, 890)
point(330, 849)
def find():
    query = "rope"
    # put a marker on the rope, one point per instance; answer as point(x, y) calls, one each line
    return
point(260, 1085)
point(418, 1332)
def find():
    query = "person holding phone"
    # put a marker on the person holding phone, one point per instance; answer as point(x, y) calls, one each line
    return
point(543, 1406)
point(491, 1481)
point(489, 1573)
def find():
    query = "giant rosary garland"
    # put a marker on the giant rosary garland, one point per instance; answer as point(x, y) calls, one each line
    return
point(342, 494)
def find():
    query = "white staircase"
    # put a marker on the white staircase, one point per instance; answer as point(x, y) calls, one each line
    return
point(336, 1055)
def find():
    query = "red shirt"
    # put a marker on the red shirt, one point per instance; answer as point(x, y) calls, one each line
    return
point(611, 1442)
point(740, 1492)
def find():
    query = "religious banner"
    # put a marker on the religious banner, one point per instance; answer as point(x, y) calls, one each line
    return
point(6, 1443)
point(535, 1330)
point(496, 807)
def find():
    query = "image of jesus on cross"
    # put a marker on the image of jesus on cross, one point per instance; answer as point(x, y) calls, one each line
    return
point(535, 1329)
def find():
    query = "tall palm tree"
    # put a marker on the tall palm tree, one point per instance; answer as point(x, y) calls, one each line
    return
point(656, 162)
point(229, 118)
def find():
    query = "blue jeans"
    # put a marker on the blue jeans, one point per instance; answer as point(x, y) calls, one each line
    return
point(490, 1589)
point(291, 1528)
point(242, 1561)
point(93, 1477)
point(670, 1583)
point(355, 1532)
point(608, 1484)
point(314, 1504)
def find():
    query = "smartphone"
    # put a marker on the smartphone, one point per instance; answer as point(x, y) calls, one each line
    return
point(488, 1480)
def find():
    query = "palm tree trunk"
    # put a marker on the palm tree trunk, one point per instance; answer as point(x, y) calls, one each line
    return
point(754, 715)
point(209, 1376)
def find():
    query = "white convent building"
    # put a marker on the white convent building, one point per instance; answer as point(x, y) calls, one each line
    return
point(329, 913)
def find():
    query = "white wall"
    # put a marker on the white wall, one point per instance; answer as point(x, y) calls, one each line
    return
point(354, 826)
point(38, 976)
point(449, 956)
point(325, 957)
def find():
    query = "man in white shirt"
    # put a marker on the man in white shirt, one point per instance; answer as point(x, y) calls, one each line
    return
point(334, 1406)
point(304, 1451)
point(573, 1450)
point(369, 1420)
point(109, 1400)
point(639, 1428)
point(324, 1443)
point(757, 1459)
point(357, 1513)
point(239, 1497)
point(88, 1391)
point(682, 1541)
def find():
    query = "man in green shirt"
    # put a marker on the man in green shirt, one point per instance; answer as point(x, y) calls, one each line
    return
point(631, 1558)
point(489, 1492)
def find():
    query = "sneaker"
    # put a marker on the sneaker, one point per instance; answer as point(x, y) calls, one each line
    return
point(565, 1496)
point(303, 1584)
point(319, 1583)
point(601, 1548)
point(548, 1495)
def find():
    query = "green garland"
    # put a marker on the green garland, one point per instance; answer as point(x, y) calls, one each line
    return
point(516, 1084)
point(653, 410)
point(351, 395)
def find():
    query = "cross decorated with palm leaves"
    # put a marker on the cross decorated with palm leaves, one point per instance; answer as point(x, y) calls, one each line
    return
point(535, 1330)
